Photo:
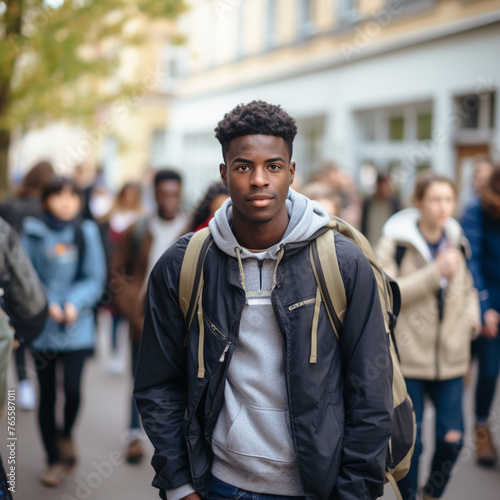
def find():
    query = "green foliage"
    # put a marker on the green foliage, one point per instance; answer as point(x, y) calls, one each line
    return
point(57, 56)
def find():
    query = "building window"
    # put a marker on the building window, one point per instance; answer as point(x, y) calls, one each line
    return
point(424, 126)
point(348, 10)
point(475, 111)
point(271, 36)
point(305, 18)
point(396, 128)
point(474, 118)
point(393, 140)
point(172, 62)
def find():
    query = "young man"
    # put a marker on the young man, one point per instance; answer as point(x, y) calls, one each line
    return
point(135, 255)
point(257, 416)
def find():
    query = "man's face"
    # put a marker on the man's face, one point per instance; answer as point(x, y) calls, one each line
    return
point(168, 198)
point(258, 174)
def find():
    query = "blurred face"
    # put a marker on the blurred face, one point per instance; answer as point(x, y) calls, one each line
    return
point(130, 197)
point(65, 205)
point(168, 198)
point(384, 189)
point(437, 204)
point(258, 174)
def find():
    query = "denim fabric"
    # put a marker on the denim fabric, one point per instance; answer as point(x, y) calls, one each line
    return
point(220, 491)
point(488, 355)
point(446, 396)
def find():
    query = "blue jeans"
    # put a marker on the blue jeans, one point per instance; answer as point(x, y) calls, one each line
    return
point(446, 396)
point(488, 355)
point(220, 491)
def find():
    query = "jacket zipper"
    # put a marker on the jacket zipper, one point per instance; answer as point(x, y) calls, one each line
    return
point(223, 355)
point(214, 328)
point(261, 264)
point(302, 303)
point(226, 358)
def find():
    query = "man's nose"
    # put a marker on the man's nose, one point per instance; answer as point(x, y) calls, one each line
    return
point(260, 177)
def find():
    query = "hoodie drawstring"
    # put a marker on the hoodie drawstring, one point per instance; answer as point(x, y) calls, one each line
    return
point(242, 274)
point(278, 260)
point(314, 330)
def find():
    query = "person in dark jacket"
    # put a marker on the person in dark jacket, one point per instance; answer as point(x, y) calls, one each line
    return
point(481, 223)
point(249, 414)
point(23, 310)
point(378, 208)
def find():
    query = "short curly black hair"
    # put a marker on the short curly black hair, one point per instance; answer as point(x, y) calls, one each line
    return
point(256, 117)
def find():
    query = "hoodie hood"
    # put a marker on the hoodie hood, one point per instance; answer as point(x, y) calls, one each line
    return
point(403, 227)
point(306, 218)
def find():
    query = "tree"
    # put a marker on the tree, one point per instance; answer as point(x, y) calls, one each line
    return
point(57, 55)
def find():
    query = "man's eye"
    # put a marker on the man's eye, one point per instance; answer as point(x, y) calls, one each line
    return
point(274, 167)
point(242, 167)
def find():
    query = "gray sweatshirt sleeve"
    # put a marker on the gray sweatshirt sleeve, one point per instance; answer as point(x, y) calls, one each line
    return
point(180, 492)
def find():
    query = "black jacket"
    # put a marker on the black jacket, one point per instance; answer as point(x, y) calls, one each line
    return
point(340, 407)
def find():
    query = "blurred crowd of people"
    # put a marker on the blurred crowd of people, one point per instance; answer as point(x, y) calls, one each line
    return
point(93, 252)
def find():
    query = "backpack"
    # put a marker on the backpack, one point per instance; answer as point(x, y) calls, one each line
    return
point(6, 341)
point(326, 271)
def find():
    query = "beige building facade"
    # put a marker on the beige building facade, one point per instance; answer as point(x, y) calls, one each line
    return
point(398, 85)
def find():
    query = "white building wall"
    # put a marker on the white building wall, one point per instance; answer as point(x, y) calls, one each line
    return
point(432, 71)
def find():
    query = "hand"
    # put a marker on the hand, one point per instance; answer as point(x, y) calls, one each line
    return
point(70, 313)
point(192, 496)
point(447, 262)
point(475, 327)
point(490, 327)
point(56, 313)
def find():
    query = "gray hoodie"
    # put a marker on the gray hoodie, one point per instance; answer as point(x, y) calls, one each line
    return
point(251, 440)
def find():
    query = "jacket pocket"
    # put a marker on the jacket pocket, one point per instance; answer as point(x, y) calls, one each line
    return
point(213, 328)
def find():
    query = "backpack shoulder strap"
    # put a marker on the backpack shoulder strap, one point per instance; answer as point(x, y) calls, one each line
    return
point(400, 253)
point(326, 270)
point(191, 277)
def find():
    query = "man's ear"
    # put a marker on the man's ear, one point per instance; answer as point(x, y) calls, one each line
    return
point(292, 172)
point(223, 173)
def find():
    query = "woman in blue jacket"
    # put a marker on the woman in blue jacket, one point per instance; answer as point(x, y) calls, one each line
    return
point(481, 223)
point(69, 258)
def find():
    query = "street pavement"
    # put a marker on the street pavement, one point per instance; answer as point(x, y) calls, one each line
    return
point(102, 473)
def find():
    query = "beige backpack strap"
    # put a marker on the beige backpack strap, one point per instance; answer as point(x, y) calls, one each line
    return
point(327, 273)
point(390, 479)
point(190, 282)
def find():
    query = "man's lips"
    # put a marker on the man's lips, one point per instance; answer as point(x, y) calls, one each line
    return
point(260, 200)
